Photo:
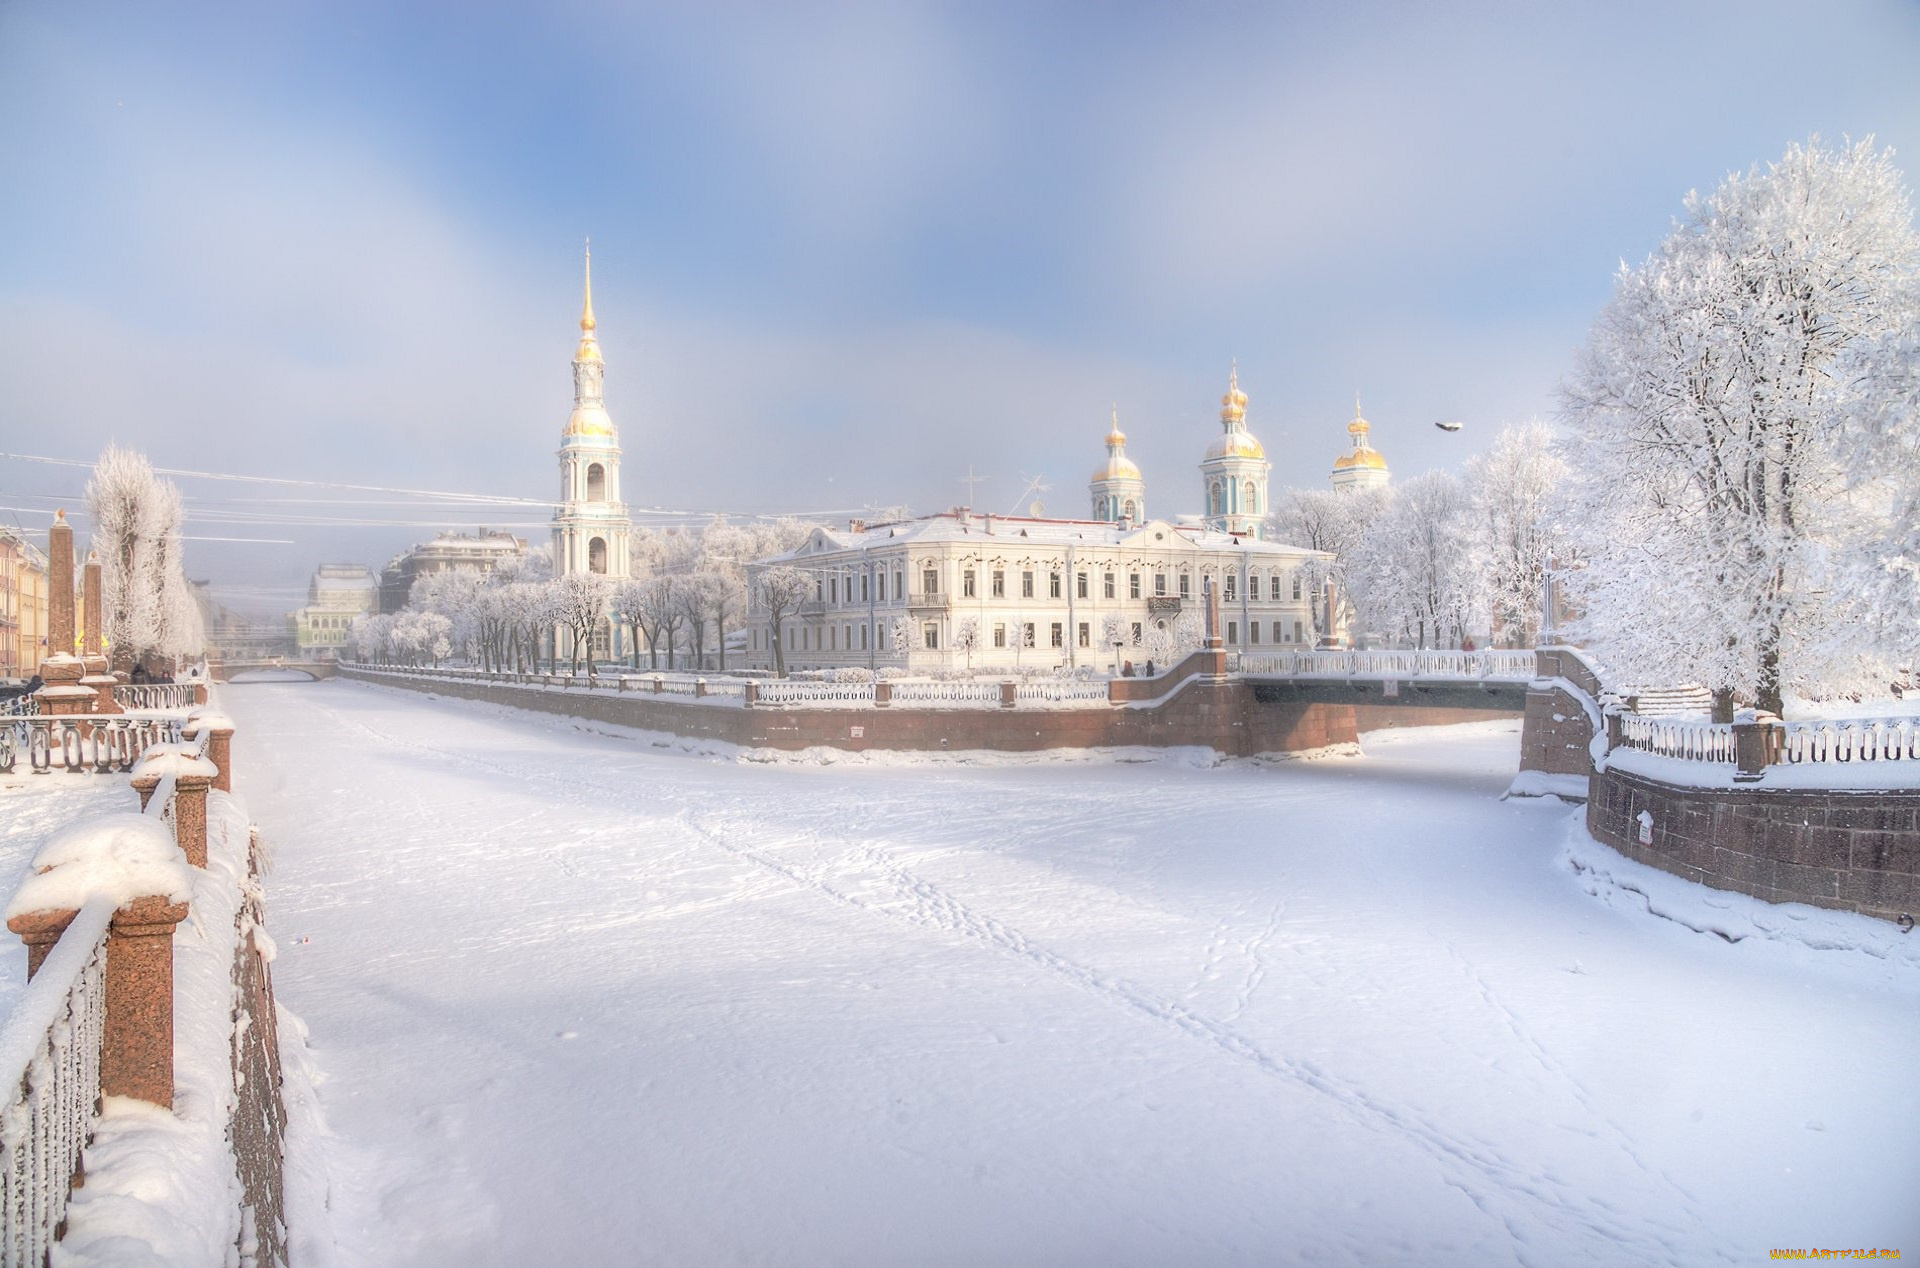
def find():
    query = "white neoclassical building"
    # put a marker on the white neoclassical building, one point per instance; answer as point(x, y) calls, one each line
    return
point(1031, 592)
point(591, 530)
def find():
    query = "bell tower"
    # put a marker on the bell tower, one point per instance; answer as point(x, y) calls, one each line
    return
point(590, 527)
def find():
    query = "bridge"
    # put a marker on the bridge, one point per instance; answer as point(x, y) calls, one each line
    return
point(1493, 679)
point(224, 670)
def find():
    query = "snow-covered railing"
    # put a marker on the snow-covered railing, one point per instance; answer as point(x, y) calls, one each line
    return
point(21, 706)
point(947, 693)
point(154, 695)
point(100, 742)
point(1499, 663)
point(780, 692)
point(1060, 691)
point(1849, 740)
point(1672, 737)
point(50, 1058)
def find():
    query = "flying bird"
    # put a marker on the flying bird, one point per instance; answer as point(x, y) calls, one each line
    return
point(1449, 426)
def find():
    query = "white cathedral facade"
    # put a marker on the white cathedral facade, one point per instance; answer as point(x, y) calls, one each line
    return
point(961, 590)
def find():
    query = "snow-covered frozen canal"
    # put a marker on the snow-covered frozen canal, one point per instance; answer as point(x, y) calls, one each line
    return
point(577, 999)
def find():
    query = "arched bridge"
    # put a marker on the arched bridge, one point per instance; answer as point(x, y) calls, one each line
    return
point(1494, 679)
point(228, 670)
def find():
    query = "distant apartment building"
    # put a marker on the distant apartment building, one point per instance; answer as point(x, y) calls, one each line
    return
point(447, 552)
point(24, 600)
point(338, 595)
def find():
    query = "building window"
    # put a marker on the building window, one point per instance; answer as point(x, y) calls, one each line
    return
point(863, 587)
point(1026, 634)
point(833, 637)
point(596, 483)
point(863, 638)
point(1053, 585)
point(1080, 585)
point(1298, 635)
point(1252, 505)
point(602, 639)
point(1233, 631)
point(930, 581)
point(597, 555)
point(1253, 629)
point(1273, 588)
point(1296, 587)
point(1186, 586)
point(1159, 585)
point(999, 583)
point(833, 591)
point(930, 632)
point(1253, 586)
point(1026, 584)
point(1133, 585)
point(1086, 634)
point(883, 585)
point(1216, 499)
point(899, 585)
point(966, 583)
point(1107, 586)
point(1128, 512)
point(1232, 588)
point(999, 633)
point(1055, 636)
point(1280, 631)
point(1134, 631)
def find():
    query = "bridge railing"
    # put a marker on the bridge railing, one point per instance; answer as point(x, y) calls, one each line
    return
point(1497, 663)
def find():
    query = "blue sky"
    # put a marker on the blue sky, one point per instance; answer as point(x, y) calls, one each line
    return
point(842, 252)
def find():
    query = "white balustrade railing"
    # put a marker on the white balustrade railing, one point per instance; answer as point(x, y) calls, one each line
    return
point(1505, 664)
point(100, 742)
point(50, 1059)
point(1673, 737)
point(817, 693)
point(154, 695)
point(947, 693)
point(1850, 740)
point(1061, 691)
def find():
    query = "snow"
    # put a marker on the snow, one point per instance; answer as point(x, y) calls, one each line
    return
point(161, 1187)
point(575, 998)
point(122, 856)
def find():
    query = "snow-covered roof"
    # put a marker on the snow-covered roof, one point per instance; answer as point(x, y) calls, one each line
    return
point(1012, 531)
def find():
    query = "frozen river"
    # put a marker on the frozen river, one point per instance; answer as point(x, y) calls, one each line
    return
point(578, 999)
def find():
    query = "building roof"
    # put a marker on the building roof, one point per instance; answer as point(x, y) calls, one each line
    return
point(1012, 532)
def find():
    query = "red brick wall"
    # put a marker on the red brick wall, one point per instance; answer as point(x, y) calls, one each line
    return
point(1852, 851)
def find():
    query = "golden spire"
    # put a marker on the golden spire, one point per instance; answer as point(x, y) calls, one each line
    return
point(1116, 436)
point(1358, 427)
point(586, 314)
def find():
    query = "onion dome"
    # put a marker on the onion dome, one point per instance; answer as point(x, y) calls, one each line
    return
point(1235, 440)
point(589, 419)
point(1118, 465)
point(1363, 455)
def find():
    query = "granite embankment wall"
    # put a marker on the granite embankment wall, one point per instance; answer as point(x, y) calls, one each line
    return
point(1856, 851)
point(1203, 710)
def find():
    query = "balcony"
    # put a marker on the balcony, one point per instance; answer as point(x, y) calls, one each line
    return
point(922, 601)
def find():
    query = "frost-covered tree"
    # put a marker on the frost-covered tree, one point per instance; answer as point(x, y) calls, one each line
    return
point(1113, 632)
point(1335, 521)
point(1711, 423)
point(780, 592)
point(580, 603)
point(1414, 576)
point(149, 607)
point(1512, 486)
point(966, 638)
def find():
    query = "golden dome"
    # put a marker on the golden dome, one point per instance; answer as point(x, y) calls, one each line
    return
point(1236, 444)
point(589, 420)
point(1233, 406)
point(1369, 458)
point(1119, 466)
